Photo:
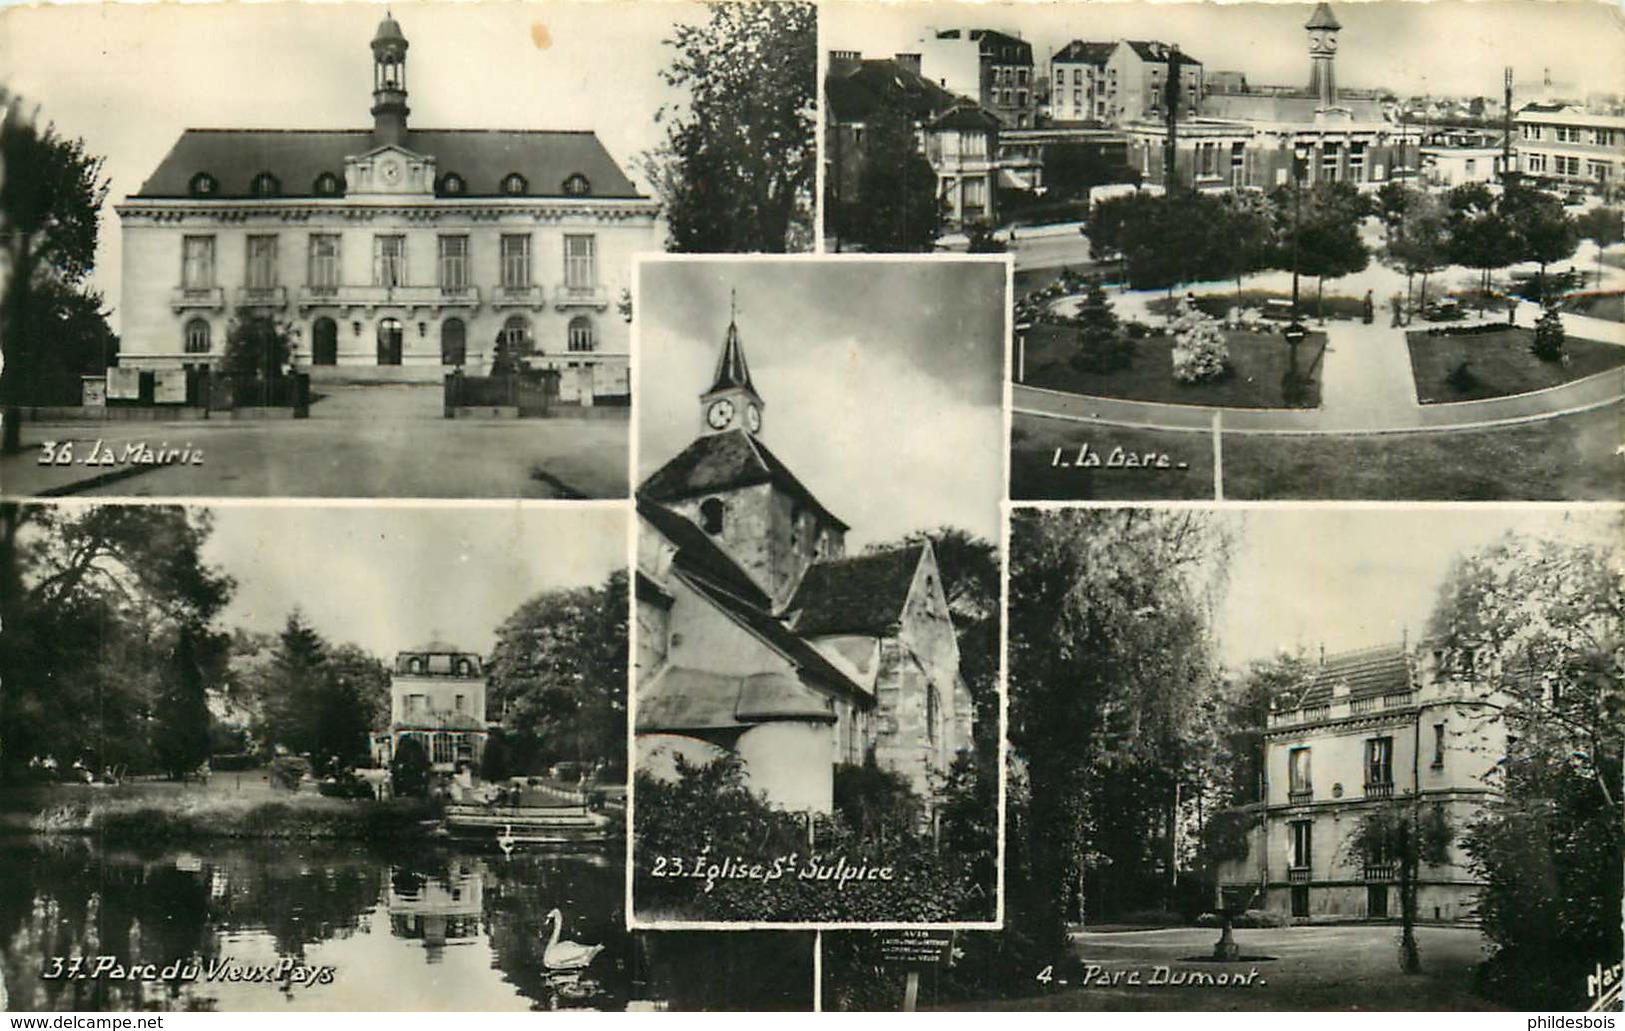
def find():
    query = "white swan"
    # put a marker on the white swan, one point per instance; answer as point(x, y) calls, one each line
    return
point(505, 840)
point(566, 955)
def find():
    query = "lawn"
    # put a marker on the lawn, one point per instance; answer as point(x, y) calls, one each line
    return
point(1259, 363)
point(1499, 363)
point(1597, 306)
point(1036, 473)
point(1571, 458)
point(1219, 305)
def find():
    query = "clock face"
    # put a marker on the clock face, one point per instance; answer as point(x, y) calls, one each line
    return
point(753, 418)
point(390, 171)
point(1323, 42)
point(720, 413)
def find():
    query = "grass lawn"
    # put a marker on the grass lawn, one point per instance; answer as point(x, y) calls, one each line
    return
point(1501, 363)
point(1036, 473)
point(1571, 458)
point(1314, 968)
point(1258, 360)
point(1597, 306)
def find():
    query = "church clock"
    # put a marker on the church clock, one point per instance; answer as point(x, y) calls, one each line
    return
point(720, 414)
point(753, 417)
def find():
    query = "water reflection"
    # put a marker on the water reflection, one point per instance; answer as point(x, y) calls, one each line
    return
point(321, 926)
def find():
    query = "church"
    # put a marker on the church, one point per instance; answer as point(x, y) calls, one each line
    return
point(759, 636)
point(394, 252)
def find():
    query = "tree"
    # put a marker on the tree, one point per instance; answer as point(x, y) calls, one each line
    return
point(1108, 652)
point(1480, 236)
point(1603, 227)
point(897, 207)
point(1542, 622)
point(1318, 233)
point(258, 347)
point(738, 165)
point(1420, 241)
point(1549, 336)
point(181, 737)
point(1405, 835)
point(72, 319)
point(982, 241)
point(1392, 203)
point(290, 689)
point(50, 212)
point(559, 672)
point(1102, 345)
point(409, 769)
point(1543, 232)
point(97, 601)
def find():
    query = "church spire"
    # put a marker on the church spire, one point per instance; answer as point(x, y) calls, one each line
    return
point(732, 401)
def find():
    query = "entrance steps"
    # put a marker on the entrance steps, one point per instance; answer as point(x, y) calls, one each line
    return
point(347, 374)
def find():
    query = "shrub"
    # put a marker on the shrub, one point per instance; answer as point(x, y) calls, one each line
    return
point(1152, 918)
point(1200, 352)
point(409, 770)
point(345, 785)
point(287, 771)
point(1102, 346)
point(1461, 378)
point(1256, 918)
point(1549, 337)
point(875, 801)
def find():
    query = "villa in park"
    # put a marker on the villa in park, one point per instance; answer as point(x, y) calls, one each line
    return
point(394, 252)
point(437, 697)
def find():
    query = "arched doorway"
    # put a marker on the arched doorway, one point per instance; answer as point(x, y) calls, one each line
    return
point(453, 342)
point(389, 341)
point(324, 342)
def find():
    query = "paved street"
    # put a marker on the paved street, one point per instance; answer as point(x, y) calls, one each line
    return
point(374, 441)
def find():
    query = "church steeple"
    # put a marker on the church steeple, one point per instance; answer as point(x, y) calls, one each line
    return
point(732, 402)
point(389, 108)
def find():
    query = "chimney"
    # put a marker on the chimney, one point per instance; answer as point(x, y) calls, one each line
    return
point(909, 61)
point(844, 62)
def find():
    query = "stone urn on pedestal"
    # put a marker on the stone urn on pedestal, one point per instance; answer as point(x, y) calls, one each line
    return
point(1231, 900)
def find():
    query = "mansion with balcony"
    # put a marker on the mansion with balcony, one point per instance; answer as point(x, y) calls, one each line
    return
point(436, 697)
point(423, 249)
point(1384, 726)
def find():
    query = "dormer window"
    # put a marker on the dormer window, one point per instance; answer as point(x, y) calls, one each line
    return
point(465, 668)
point(265, 185)
point(514, 185)
point(328, 185)
point(577, 186)
point(712, 511)
point(204, 185)
point(452, 185)
point(414, 666)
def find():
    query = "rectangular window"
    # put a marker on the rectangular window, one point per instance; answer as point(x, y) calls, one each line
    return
point(1379, 765)
point(261, 263)
point(1531, 132)
point(515, 262)
point(1602, 137)
point(1599, 171)
point(458, 703)
point(388, 261)
point(1298, 774)
point(1535, 163)
point(444, 751)
point(973, 144)
point(1302, 843)
point(454, 263)
point(415, 704)
point(975, 194)
point(1568, 165)
point(324, 262)
point(580, 262)
point(1438, 746)
point(197, 263)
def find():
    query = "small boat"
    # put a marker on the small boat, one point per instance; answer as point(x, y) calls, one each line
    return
point(566, 955)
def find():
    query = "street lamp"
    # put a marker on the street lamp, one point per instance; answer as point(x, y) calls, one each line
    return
point(1295, 331)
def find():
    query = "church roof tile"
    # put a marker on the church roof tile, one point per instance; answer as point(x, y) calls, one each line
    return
point(860, 595)
point(727, 461)
point(1366, 673)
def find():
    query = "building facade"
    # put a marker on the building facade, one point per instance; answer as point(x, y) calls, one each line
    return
point(963, 148)
point(424, 249)
point(991, 67)
point(1120, 81)
point(759, 637)
point(1415, 728)
point(437, 697)
point(1569, 147)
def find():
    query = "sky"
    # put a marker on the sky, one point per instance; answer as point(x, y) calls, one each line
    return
point(391, 578)
point(1355, 577)
point(1450, 47)
point(881, 380)
point(128, 78)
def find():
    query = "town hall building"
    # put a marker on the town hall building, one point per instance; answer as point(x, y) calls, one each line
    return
point(394, 246)
point(759, 636)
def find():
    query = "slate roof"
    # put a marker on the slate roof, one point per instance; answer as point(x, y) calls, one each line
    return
point(1367, 673)
point(699, 555)
point(860, 595)
point(1323, 18)
point(855, 96)
point(965, 116)
point(991, 40)
point(483, 157)
point(1284, 109)
point(727, 461)
point(1152, 50)
point(678, 698)
point(732, 371)
point(1081, 51)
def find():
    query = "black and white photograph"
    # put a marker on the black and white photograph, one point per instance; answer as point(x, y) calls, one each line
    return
point(1363, 251)
point(359, 251)
point(817, 706)
point(368, 775)
point(1299, 759)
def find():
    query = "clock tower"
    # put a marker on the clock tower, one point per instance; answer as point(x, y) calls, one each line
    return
point(732, 402)
point(1322, 27)
point(389, 108)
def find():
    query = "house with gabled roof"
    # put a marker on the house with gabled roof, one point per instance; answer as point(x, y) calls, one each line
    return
point(758, 636)
point(395, 252)
point(1394, 725)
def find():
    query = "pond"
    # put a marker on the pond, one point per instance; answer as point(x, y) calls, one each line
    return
point(322, 926)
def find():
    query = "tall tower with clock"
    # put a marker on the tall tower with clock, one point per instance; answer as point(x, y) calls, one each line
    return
point(389, 108)
point(1322, 27)
point(732, 402)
